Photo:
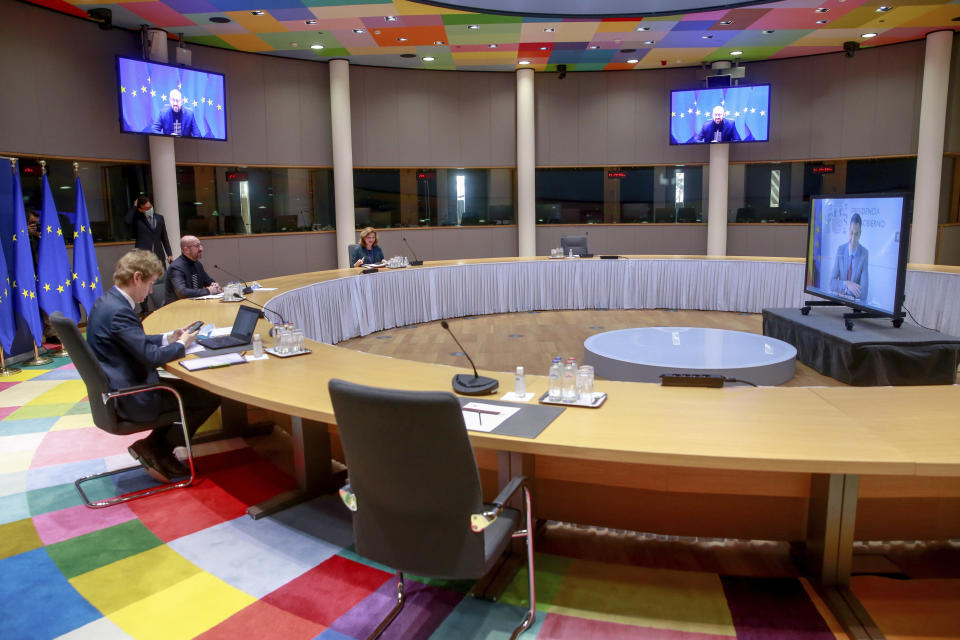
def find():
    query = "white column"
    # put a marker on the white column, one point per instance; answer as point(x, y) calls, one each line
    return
point(526, 166)
point(342, 139)
point(933, 113)
point(163, 160)
point(717, 199)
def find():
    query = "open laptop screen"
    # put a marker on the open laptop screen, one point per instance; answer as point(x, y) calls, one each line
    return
point(245, 323)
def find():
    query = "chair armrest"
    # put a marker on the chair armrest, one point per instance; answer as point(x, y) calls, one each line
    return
point(480, 521)
point(140, 388)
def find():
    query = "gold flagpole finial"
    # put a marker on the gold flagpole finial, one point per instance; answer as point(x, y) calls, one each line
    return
point(76, 169)
point(43, 166)
point(13, 164)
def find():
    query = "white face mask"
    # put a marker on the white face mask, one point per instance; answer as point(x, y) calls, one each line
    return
point(148, 212)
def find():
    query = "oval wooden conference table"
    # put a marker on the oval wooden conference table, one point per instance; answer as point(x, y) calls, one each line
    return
point(781, 463)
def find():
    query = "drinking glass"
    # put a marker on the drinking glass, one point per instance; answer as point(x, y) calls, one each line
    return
point(585, 383)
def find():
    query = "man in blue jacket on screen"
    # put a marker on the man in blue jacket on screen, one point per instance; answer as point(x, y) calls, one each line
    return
point(849, 277)
point(176, 119)
point(719, 129)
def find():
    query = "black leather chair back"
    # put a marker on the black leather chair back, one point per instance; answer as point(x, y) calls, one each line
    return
point(577, 243)
point(413, 473)
point(92, 374)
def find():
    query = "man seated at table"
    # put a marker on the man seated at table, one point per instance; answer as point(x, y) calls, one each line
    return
point(186, 277)
point(130, 357)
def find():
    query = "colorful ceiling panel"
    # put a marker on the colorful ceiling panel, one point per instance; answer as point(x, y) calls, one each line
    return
point(409, 34)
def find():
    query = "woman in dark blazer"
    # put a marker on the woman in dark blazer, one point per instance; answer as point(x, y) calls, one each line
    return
point(368, 251)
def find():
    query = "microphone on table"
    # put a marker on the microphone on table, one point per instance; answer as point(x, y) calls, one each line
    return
point(415, 262)
point(282, 321)
point(246, 289)
point(463, 383)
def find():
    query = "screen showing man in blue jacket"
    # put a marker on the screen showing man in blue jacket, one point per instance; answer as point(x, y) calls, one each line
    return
point(719, 129)
point(175, 119)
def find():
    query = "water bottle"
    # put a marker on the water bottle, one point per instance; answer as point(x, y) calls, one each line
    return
point(554, 392)
point(257, 346)
point(520, 383)
point(570, 381)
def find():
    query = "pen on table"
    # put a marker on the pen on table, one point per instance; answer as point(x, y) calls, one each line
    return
point(487, 411)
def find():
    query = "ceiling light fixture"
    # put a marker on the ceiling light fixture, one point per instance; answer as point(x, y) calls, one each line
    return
point(883, 9)
point(821, 10)
point(428, 58)
point(869, 35)
point(726, 22)
point(544, 48)
point(401, 39)
point(358, 30)
point(649, 42)
point(256, 13)
point(309, 22)
point(736, 53)
point(549, 29)
point(491, 46)
point(822, 21)
point(593, 46)
point(390, 18)
point(219, 19)
point(632, 61)
point(316, 46)
point(524, 62)
point(643, 28)
point(706, 37)
point(473, 26)
point(438, 42)
point(767, 31)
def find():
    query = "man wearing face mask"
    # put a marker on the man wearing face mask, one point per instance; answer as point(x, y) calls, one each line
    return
point(149, 232)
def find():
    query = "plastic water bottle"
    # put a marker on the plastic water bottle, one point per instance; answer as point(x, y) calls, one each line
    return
point(570, 381)
point(554, 392)
point(257, 346)
point(520, 383)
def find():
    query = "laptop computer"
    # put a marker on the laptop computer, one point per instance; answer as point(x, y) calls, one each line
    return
point(241, 334)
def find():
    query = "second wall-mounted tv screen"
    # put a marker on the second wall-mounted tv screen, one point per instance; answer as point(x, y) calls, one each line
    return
point(164, 100)
point(729, 114)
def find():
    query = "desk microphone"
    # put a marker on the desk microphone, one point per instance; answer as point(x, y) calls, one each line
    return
point(246, 289)
point(282, 321)
point(415, 262)
point(464, 384)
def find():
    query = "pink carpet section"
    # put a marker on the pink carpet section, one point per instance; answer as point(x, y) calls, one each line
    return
point(561, 627)
point(74, 445)
point(64, 524)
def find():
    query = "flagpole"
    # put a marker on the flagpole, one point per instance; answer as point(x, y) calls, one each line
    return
point(37, 359)
point(4, 371)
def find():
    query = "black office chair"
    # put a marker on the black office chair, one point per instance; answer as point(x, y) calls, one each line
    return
point(350, 249)
point(104, 412)
point(577, 243)
point(415, 491)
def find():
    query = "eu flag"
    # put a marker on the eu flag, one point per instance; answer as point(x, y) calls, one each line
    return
point(24, 285)
point(87, 286)
point(54, 277)
point(8, 322)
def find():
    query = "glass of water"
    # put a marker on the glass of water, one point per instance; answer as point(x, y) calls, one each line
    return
point(585, 383)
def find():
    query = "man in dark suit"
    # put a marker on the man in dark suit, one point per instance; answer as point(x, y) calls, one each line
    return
point(148, 229)
point(850, 276)
point(176, 119)
point(130, 357)
point(186, 277)
point(719, 129)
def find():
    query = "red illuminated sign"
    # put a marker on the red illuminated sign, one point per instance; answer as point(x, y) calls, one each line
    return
point(426, 175)
point(824, 168)
point(237, 176)
point(616, 175)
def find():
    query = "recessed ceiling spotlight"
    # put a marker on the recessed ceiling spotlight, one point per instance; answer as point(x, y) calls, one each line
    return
point(726, 22)
point(390, 18)
point(408, 55)
point(294, 45)
point(706, 37)
point(822, 10)
point(822, 21)
point(358, 30)
point(376, 32)
point(649, 42)
point(883, 9)
point(736, 53)
point(549, 29)
point(316, 46)
point(524, 62)
point(491, 46)
point(309, 22)
point(643, 28)
point(256, 13)
point(438, 42)
point(767, 31)
point(219, 19)
point(428, 58)
point(632, 61)
point(593, 46)
point(473, 26)
point(627, 50)
point(544, 48)
point(401, 39)
point(869, 35)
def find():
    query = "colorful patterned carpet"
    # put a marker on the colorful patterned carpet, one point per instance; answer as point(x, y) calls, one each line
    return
point(190, 563)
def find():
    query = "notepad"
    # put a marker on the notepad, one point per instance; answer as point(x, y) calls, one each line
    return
point(480, 416)
point(224, 360)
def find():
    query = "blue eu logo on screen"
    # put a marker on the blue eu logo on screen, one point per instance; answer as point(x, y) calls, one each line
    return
point(165, 100)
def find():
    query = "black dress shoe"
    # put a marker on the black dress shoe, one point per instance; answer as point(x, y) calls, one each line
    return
point(173, 467)
point(150, 459)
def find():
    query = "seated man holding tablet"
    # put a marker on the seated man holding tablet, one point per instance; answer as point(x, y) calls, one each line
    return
point(130, 357)
point(368, 252)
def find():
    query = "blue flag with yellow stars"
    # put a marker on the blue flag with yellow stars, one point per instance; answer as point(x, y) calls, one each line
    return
point(24, 285)
point(54, 276)
point(86, 287)
point(8, 321)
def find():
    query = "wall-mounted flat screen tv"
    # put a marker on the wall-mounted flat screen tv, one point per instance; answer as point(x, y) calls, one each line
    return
point(728, 114)
point(857, 251)
point(165, 100)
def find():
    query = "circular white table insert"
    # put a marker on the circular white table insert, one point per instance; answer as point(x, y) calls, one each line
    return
point(643, 354)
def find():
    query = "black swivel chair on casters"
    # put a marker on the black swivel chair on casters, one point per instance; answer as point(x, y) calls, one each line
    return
point(105, 416)
point(414, 490)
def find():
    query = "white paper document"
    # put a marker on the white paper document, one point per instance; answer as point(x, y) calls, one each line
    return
point(480, 416)
point(225, 360)
point(210, 296)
